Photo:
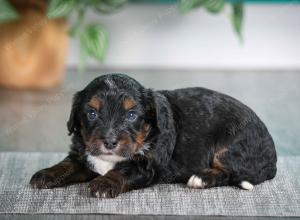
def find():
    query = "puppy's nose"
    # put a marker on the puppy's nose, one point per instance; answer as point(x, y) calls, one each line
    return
point(110, 143)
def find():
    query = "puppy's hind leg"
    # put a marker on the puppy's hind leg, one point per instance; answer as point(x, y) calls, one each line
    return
point(214, 176)
point(208, 178)
point(195, 182)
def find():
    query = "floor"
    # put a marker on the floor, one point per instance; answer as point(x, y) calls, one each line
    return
point(36, 120)
point(124, 217)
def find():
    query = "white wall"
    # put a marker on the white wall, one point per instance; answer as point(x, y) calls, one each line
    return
point(157, 36)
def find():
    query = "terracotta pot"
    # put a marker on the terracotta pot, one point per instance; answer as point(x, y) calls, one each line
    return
point(33, 49)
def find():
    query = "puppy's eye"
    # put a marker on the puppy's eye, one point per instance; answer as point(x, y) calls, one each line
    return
point(131, 115)
point(92, 114)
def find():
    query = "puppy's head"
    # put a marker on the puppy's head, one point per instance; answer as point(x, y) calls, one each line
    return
point(112, 116)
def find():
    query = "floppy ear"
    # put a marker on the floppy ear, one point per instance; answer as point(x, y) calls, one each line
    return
point(163, 112)
point(73, 123)
point(166, 137)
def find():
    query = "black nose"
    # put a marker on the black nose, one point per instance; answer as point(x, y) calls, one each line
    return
point(110, 144)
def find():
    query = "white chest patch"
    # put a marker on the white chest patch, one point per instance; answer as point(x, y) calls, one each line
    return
point(103, 163)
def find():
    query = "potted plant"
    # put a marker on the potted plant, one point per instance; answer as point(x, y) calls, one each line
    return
point(34, 36)
point(33, 47)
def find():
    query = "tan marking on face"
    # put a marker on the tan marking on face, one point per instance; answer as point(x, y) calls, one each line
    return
point(125, 141)
point(128, 103)
point(141, 136)
point(95, 103)
point(128, 147)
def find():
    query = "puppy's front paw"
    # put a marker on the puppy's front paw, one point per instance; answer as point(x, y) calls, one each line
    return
point(43, 179)
point(104, 187)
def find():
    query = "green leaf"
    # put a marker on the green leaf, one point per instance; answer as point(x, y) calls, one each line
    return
point(94, 41)
point(237, 17)
point(74, 30)
point(214, 6)
point(7, 12)
point(60, 8)
point(82, 59)
point(108, 6)
point(187, 5)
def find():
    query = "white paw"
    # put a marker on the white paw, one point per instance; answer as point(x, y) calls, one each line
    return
point(97, 194)
point(195, 182)
point(246, 185)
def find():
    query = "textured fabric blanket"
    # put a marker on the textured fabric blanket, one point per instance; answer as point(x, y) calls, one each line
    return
point(278, 197)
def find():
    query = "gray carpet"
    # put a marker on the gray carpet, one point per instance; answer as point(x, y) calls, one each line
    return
point(279, 197)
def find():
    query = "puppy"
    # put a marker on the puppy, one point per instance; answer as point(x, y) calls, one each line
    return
point(127, 137)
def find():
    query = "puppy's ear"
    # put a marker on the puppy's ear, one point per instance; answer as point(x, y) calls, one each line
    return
point(73, 123)
point(163, 112)
point(166, 136)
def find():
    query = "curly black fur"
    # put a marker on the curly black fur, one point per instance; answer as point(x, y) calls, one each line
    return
point(177, 134)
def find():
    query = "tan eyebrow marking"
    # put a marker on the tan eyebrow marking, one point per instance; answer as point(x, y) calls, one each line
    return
point(95, 103)
point(128, 103)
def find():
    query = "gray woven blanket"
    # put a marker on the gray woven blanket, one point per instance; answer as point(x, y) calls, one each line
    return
point(278, 197)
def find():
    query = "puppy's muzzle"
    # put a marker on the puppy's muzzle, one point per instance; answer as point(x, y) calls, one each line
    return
point(110, 144)
point(110, 141)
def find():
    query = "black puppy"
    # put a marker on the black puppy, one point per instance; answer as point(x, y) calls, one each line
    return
point(128, 137)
